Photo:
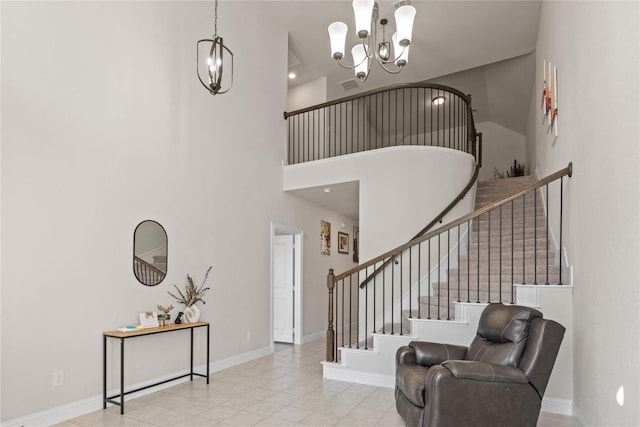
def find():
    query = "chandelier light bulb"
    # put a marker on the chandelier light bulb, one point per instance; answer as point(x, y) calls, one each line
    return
point(383, 51)
point(360, 59)
point(405, 16)
point(337, 37)
point(363, 10)
point(401, 52)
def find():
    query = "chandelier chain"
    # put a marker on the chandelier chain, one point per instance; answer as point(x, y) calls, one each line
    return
point(215, 20)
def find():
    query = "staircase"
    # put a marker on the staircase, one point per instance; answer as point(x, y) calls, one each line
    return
point(505, 248)
point(497, 233)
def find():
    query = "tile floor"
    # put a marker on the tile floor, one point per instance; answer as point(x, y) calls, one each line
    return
point(283, 389)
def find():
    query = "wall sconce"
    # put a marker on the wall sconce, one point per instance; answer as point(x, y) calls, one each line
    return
point(212, 65)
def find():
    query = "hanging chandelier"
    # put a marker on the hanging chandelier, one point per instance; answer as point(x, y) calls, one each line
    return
point(363, 53)
point(210, 68)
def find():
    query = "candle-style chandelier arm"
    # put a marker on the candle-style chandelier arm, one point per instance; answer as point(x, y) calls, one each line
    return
point(390, 61)
point(365, 57)
point(396, 71)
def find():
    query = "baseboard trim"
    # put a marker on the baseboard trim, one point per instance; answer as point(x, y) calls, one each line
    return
point(314, 337)
point(333, 371)
point(577, 415)
point(229, 362)
point(554, 405)
point(94, 403)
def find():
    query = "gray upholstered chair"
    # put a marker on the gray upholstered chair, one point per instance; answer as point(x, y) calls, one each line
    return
point(499, 380)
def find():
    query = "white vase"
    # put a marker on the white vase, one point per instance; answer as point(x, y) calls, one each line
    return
point(192, 314)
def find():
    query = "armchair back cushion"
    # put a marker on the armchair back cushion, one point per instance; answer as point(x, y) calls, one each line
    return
point(545, 337)
point(502, 334)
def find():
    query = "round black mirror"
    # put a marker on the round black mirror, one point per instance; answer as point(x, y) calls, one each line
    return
point(149, 253)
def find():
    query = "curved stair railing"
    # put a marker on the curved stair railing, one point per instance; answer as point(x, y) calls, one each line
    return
point(398, 115)
point(517, 235)
point(438, 218)
point(404, 114)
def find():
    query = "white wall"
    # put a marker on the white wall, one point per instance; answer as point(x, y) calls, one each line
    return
point(401, 189)
point(595, 46)
point(99, 99)
point(315, 266)
point(307, 94)
point(500, 146)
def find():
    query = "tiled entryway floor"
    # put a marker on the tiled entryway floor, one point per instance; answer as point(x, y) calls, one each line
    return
point(283, 389)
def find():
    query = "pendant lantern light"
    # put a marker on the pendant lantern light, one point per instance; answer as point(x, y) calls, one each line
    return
point(211, 66)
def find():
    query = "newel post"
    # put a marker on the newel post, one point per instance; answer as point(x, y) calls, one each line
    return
point(330, 333)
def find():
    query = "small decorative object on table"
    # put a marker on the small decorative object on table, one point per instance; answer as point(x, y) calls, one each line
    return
point(165, 317)
point(149, 319)
point(179, 318)
point(192, 295)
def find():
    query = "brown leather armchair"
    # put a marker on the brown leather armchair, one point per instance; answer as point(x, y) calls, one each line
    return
point(499, 380)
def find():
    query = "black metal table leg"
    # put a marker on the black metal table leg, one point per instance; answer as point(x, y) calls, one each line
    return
point(207, 353)
point(104, 372)
point(121, 376)
point(113, 399)
point(191, 376)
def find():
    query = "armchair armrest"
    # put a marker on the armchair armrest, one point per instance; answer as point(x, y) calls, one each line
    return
point(487, 372)
point(431, 353)
point(405, 356)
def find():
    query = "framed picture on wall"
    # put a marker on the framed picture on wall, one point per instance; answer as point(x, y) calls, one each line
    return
point(325, 238)
point(356, 243)
point(343, 243)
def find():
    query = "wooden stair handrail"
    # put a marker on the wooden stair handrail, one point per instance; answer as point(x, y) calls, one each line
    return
point(439, 217)
point(567, 171)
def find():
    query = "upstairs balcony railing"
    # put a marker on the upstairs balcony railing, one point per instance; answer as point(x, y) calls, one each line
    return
point(406, 114)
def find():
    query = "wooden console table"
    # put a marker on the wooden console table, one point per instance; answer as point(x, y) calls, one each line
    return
point(122, 336)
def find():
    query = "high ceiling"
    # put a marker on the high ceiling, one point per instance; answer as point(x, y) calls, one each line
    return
point(448, 37)
point(483, 48)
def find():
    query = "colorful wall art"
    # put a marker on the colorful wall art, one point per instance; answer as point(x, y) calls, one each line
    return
point(325, 238)
point(549, 101)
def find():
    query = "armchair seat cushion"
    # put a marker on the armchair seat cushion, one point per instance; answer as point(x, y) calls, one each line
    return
point(410, 380)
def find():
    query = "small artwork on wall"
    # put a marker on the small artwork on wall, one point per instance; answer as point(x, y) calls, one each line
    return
point(356, 243)
point(325, 238)
point(549, 102)
point(343, 243)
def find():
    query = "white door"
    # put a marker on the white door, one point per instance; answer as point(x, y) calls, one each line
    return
point(283, 288)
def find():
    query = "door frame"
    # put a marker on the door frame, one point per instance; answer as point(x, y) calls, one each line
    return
point(277, 229)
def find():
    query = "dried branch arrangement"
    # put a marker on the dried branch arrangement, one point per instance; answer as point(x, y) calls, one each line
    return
point(193, 293)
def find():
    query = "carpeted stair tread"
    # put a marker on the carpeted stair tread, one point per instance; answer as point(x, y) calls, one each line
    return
point(504, 237)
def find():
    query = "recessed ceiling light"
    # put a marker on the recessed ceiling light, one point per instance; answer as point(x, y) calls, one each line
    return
point(438, 100)
point(327, 190)
point(292, 75)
